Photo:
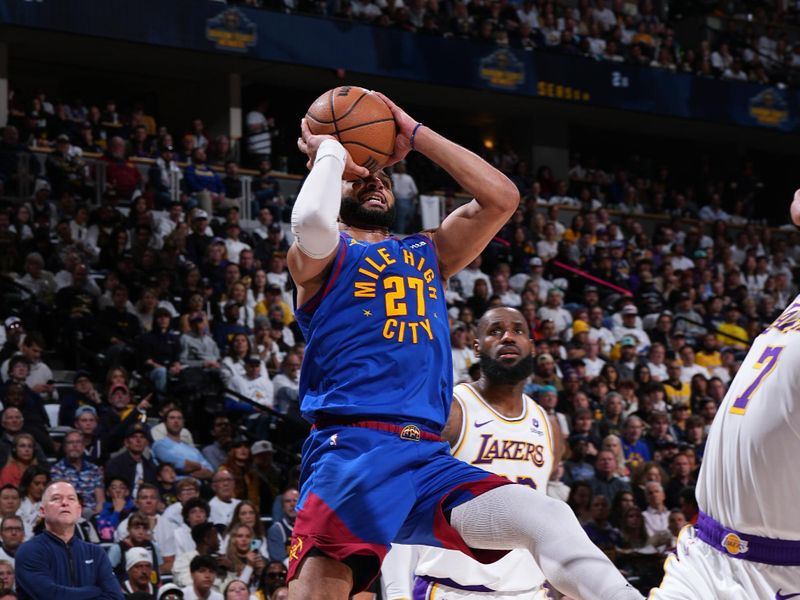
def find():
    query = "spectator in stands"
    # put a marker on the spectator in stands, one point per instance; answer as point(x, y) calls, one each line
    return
point(254, 384)
point(239, 463)
point(280, 533)
point(39, 377)
point(206, 541)
point(198, 349)
point(681, 477)
point(119, 329)
point(406, 195)
point(203, 571)
point(65, 168)
point(216, 453)
point(202, 184)
point(606, 482)
point(12, 534)
point(31, 488)
point(224, 502)
point(132, 465)
point(160, 531)
point(159, 350)
point(172, 449)
point(85, 477)
point(185, 490)
point(225, 330)
point(259, 132)
point(120, 414)
point(122, 176)
point(270, 478)
point(135, 540)
point(689, 368)
point(555, 312)
point(200, 239)
point(7, 580)
point(241, 562)
point(600, 531)
point(139, 573)
point(288, 376)
point(118, 506)
point(22, 456)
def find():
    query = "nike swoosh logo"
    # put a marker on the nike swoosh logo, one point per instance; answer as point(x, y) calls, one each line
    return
point(779, 596)
point(482, 424)
point(90, 561)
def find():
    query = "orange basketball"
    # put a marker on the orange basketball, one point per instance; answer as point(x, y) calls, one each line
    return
point(360, 120)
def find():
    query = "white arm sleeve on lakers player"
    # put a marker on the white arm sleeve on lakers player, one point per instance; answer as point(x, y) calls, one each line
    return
point(514, 516)
point(316, 209)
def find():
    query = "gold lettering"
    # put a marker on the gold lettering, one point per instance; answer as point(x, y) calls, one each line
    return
point(428, 275)
point(374, 265)
point(413, 327)
point(426, 325)
point(386, 257)
point(408, 257)
point(402, 335)
point(432, 292)
point(421, 263)
point(389, 328)
point(365, 289)
point(363, 271)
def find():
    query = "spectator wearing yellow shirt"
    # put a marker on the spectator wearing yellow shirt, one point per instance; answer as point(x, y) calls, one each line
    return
point(678, 391)
point(730, 332)
point(273, 297)
point(708, 356)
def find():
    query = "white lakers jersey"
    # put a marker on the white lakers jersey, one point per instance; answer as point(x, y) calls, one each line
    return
point(748, 480)
point(520, 448)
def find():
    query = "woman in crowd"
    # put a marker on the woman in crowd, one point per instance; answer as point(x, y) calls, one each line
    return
point(273, 578)
point(23, 455)
point(622, 501)
point(612, 443)
point(580, 500)
point(247, 513)
point(233, 363)
point(196, 303)
point(611, 376)
point(238, 590)
point(240, 464)
point(7, 578)
point(31, 488)
point(258, 289)
point(241, 561)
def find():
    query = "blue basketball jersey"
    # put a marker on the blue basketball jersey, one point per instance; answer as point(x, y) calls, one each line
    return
point(377, 335)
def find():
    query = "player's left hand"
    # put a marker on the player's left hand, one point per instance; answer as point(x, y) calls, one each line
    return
point(405, 128)
point(794, 210)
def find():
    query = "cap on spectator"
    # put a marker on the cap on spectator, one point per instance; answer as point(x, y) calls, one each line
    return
point(276, 227)
point(545, 357)
point(253, 359)
point(627, 341)
point(239, 441)
point(136, 428)
point(197, 316)
point(200, 214)
point(81, 375)
point(170, 590)
point(679, 406)
point(458, 325)
point(555, 290)
point(273, 288)
point(118, 387)
point(231, 224)
point(630, 309)
point(261, 447)
point(535, 262)
point(261, 321)
point(700, 254)
point(168, 148)
point(62, 138)
point(161, 312)
point(85, 409)
point(136, 555)
point(617, 244)
point(579, 326)
point(12, 322)
point(231, 304)
point(590, 288)
point(548, 388)
point(683, 296)
point(732, 306)
point(41, 184)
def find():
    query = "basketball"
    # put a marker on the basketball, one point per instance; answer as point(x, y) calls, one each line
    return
point(359, 119)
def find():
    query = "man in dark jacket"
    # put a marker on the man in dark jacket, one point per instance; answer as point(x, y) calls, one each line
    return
point(56, 563)
point(131, 465)
point(159, 350)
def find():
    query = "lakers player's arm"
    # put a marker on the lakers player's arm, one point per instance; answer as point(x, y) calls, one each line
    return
point(557, 439)
point(316, 210)
point(467, 230)
point(452, 429)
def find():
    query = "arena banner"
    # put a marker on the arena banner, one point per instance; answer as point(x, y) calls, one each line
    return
point(210, 26)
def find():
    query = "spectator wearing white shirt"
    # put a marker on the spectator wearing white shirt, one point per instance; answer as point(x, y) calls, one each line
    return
point(547, 248)
point(629, 328)
point(405, 193)
point(600, 332)
point(655, 362)
point(592, 361)
point(41, 283)
point(463, 356)
point(679, 261)
point(223, 503)
point(656, 515)
point(713, 210)
point(255, 383)
point(507, 296)
point(555, 312)
point(604, 15)
point(688, 367)
point(469, 274)
point(233, 245)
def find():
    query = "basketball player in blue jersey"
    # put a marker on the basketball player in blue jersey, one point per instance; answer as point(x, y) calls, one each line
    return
point(376, 383)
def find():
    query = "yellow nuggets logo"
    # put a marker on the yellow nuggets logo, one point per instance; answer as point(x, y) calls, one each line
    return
point(295, 548)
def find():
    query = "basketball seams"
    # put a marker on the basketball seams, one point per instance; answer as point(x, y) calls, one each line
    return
point(333, 112)
point(370, 148)
point(353, 105)
point(351, 127)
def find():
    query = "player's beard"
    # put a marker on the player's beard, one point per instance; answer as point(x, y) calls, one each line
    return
point(353, 213)
point(499, 372)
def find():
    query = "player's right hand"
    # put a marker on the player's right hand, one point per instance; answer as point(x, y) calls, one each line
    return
point(309, 144)
point(794, 210)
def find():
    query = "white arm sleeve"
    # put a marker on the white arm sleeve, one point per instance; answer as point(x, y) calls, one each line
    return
point(514, 516)
point(397, 572)
point(316, 209)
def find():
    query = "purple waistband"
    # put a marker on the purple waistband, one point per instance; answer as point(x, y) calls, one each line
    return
point(421, 583)
point(754, 548)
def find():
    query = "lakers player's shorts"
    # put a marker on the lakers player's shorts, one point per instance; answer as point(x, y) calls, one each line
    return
point(699, 571)
point(362, 489)
point(428, 589)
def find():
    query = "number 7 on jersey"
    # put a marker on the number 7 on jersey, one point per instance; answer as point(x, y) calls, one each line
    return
point(766, 364)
